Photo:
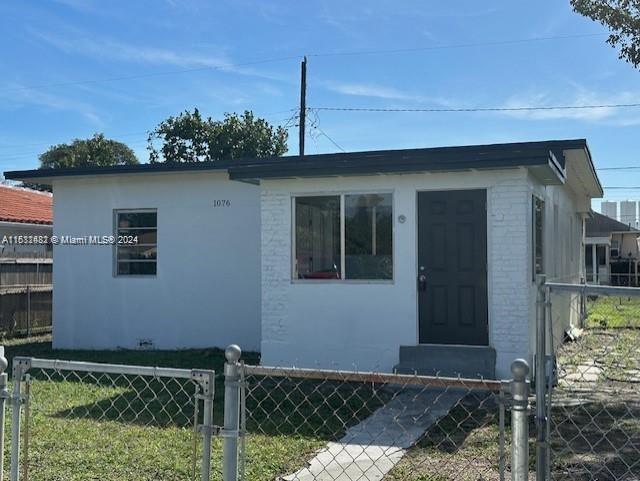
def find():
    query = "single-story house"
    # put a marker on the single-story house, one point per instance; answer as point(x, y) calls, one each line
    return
point(419, 260)
point(612, 251)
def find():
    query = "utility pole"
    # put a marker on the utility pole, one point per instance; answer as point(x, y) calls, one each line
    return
point(303, 103)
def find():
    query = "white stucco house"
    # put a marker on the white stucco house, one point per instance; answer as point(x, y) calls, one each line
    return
point(416, 260)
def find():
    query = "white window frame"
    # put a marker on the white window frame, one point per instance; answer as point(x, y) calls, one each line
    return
point(617, 248)
point(342, 280)
point(116, 212)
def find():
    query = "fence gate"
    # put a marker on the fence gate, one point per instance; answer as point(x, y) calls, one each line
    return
point(589, 411)
point(77, 420)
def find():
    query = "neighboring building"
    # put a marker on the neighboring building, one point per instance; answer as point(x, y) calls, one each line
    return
point(24, 212)
point(610, 209)
point(25, 260)
point(628, 213)
point(422, 259)
point(612, 251)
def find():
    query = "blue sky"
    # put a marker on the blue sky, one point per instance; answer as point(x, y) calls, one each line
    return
point(69, 68)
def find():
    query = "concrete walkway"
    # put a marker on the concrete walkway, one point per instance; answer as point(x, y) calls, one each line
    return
point(371, 448)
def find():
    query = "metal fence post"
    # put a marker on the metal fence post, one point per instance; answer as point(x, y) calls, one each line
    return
point(4, 395)
point(207, 427)
point(540, 377)
point(520, 421)
point(16, 403)
point(28, 310)
point(231, 413)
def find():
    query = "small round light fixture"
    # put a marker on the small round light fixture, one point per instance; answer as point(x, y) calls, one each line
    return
point(402, 218)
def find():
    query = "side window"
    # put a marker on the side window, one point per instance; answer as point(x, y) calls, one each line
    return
point(538, 236)
point(137, 254)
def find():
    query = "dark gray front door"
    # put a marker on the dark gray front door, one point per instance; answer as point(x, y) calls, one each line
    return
point(452, 267)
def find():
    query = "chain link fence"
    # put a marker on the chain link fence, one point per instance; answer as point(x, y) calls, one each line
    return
point(80, 421)
point(75, 421)
point(336, 425)
point(593, 404)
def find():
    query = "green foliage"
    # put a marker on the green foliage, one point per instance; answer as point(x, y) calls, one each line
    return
point(189, 137)
point(622, 18)
point(97, 151)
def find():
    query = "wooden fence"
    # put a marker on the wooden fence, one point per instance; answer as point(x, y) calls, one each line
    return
point(25, 271)
point(26, 294)
point(25, 310)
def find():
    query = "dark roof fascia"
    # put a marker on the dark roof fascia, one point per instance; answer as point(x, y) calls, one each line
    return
point(116, 169)
point(331, 167)
point(490, 156)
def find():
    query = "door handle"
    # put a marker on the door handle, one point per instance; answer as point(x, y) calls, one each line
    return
point(422, 282)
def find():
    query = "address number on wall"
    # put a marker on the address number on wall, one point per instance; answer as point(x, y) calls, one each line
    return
point(222, 203)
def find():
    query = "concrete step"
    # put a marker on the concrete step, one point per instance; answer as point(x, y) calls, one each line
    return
point(471, 362)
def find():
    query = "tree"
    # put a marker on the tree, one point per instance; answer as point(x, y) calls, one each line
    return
point(191, 138)
point(97, 151)
point(622, 18)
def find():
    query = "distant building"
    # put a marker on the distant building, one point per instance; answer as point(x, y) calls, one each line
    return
point(24, 212)
point(610, 209)
point(612, 251)
point(628, 214)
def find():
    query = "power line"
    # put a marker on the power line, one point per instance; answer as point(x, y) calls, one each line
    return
point(330, 139)
point(619, 168)
point(454, 46)
point(476, 109)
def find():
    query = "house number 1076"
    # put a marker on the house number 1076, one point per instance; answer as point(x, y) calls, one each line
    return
point(222, 203)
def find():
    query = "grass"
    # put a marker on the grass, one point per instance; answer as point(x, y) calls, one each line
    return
point(596, 410)
point(613, 312)
point(463, 445)
point(133, 429)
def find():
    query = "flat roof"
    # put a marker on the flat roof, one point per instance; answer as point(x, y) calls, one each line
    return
point(491, 156)
point(543, 154)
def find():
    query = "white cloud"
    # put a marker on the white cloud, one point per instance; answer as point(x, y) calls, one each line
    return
point(89, 45)
point(369, 90)
point(107, 48)
point(579, 97)
point(54, 102)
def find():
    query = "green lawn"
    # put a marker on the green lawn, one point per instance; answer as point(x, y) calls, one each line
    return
point(123, 428)
point(613, 312)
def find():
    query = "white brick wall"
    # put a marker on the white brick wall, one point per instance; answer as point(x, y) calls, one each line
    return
point(363, 325)
point(276, 262)
point(510, 271)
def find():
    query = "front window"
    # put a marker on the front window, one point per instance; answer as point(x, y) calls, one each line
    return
point(344, 237)
point(318, 249)
point(368, 234)
point(137, 242)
